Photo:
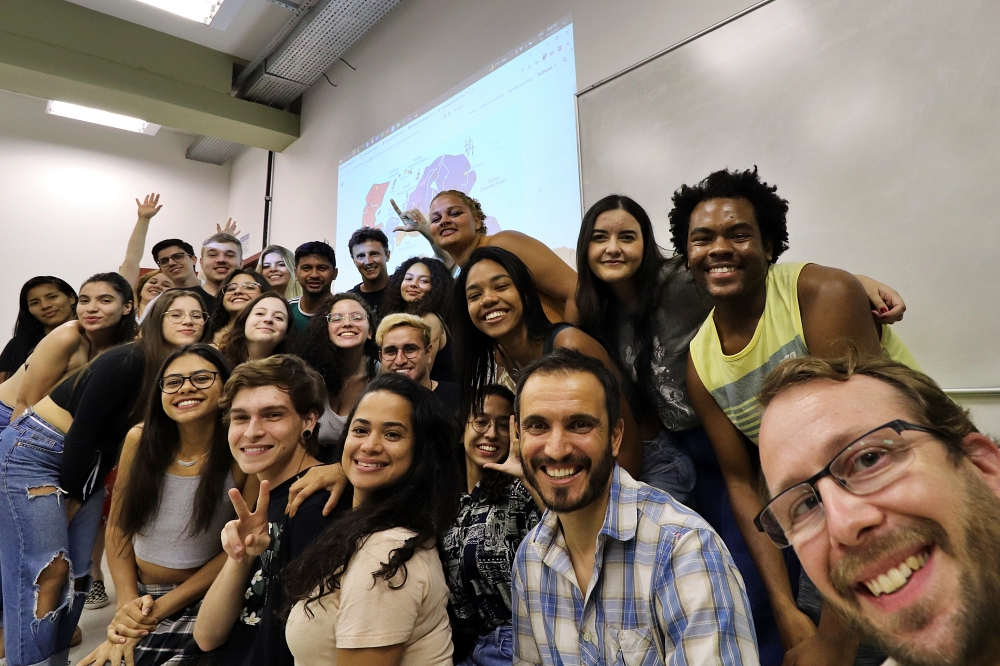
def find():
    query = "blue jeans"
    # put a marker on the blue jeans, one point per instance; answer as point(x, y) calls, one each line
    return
point(667, 465)
point(35, 533)
point(493, 649)
point(5, 412)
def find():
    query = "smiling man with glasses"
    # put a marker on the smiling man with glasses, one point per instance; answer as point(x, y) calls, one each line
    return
point(891, 499)
point(404, 343)
point(176, 259)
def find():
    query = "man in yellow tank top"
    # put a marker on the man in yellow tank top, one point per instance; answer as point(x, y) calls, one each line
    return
point(732, 228)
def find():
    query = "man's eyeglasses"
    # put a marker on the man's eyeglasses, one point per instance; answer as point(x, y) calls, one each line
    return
point(336, 318)
point(409, 351)
point(176, 257)
point(241, 286)
point(200, 380)
point(865, 466)
point(177, 316)
point(481, 424)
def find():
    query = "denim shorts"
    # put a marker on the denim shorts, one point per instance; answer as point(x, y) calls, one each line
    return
point(495, 648)
point(35, 533)
point(667, 465)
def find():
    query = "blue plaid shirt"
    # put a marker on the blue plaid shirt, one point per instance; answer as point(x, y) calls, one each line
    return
point(664, 590)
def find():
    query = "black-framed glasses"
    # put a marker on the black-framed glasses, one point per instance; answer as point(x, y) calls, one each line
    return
point(409, 351)
point(176, 257)
point(241, 286)
point(481, 424)
point(336, 317)
point(177, 316)
point(868, 464)
point(200, 380)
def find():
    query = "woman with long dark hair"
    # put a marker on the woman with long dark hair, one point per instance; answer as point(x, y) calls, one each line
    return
point(263, 328)
point(505, 328)
point(495, 513)
point(340, 346)
point(61, 449)
point(235, 294)
point(104, 321)
point(175, 473)
point(371, 584)
point(44, 304)
point(423, 287)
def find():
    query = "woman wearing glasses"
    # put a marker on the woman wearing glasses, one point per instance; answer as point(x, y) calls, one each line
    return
point(175, 473)
point(422, 287)
point(340, 348)
point(237, 291)
point(261, 330)
point(60, 450)
point(494, 515)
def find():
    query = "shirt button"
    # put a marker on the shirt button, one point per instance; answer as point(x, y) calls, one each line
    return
point(586, 636)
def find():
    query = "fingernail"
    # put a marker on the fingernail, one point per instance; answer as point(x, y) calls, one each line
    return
point(884, 310)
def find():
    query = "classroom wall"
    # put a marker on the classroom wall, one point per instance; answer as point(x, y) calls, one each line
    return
point(422, 49)
point(68, 190)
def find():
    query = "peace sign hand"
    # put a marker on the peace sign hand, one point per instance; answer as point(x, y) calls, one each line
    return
point(512, 465)
point(248, 534)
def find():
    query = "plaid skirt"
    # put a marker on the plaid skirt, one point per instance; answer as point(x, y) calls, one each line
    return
point(172, 641)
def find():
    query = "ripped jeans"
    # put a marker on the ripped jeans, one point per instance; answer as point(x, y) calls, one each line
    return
point(35, 535)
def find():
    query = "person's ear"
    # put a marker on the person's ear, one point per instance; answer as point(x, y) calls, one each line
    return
point(309, 421)
point(984, 456)
point(769, 249)
point(616, 436)
point(387, 253)
point(334, 273)
point(128, 308)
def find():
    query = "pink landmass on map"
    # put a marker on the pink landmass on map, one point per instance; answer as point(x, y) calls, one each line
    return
point(372, 203)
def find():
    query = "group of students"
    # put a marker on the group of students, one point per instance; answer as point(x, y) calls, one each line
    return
point(365, 454)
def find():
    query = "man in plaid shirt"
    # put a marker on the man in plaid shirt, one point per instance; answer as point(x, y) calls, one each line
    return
point(617, 572)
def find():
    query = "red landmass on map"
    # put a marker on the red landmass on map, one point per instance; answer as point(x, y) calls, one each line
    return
point(372, 203)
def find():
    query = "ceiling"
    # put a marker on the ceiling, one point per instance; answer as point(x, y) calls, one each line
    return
point(253, 24)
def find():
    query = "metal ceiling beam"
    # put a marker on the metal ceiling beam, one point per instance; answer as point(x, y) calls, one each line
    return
point(58, 50)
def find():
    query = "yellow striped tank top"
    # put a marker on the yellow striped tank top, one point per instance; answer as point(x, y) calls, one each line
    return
point(735, 381)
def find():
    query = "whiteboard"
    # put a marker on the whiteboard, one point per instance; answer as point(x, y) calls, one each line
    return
point(878, 121)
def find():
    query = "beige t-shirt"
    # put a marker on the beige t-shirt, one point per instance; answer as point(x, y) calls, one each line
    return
point(360, 615)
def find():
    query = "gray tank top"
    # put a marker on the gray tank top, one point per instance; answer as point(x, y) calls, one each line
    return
point(167, 540)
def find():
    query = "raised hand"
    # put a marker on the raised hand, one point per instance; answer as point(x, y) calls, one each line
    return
point(414, 220)
point(148, 207)
point(512, 465)
point(248, 534)
point(230, 228)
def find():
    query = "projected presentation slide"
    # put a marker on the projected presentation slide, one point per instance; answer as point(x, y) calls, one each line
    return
point(506, 136)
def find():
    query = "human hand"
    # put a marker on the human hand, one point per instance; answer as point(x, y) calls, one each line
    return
point(113, 652)
point(512, 465)
point(148, 207)
point(330, 477)
point(133, 620)
point(794, 627)
point(230, 228)
point(887, 305)
point(248, 534)
point(414, 220)
point(818, 651)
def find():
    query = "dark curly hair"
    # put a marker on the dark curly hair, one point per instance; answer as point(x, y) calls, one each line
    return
point(424, 500)
point(437, 301)
point(770, 209)
point(318, 351)
point(493, 484)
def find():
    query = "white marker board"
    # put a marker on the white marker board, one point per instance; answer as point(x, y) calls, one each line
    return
point(878, 121)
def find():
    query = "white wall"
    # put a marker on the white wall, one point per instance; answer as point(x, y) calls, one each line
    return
point(423, 48)
point(68, 190)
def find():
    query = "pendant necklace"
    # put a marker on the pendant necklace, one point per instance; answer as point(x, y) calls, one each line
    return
point(190, 463)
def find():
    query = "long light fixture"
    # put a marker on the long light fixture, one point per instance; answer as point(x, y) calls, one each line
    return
point(202, 11)
point(99, 117)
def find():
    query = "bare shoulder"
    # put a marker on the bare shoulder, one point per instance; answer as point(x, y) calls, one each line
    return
point(64, 336)
point(826, 286)
point(523, 245)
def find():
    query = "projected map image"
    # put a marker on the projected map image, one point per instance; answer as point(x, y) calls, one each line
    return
point(507, 138)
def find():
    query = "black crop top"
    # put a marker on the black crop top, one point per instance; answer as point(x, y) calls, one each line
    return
point(101, 402)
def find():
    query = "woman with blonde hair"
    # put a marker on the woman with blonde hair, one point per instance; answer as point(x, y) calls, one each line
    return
point(277, 265)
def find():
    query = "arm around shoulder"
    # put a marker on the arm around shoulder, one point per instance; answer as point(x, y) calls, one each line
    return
point(834, 309)
point(551, 274)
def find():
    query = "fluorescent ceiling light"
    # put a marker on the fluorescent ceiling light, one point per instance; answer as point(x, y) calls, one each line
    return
point(89, 115)
point(202, 11)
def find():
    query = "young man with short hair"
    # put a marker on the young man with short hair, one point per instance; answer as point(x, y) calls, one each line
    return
point(616, 570)
point(731, 228)
point(370, 250)
point(221, 254)
point(891, 498)
point(404, 342)
point(315, 269)
point(176, 260)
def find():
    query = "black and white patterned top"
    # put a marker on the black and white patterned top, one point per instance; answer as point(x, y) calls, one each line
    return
point(479, 550)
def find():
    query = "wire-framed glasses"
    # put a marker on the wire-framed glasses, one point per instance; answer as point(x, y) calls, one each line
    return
point(178, 315)
point(865, 466)
point(409, 351)
point(481, 424)
point(336, 317)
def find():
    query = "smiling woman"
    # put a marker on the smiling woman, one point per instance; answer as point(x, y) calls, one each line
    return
point(263, 328)
point(235, 295)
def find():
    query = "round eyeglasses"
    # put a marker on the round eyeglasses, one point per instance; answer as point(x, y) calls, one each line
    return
point(409, 351)
point(482, 423)
point(865, 466)
point(336, 318)
point(177, 316)
point(200, 380)
point(241, 286)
